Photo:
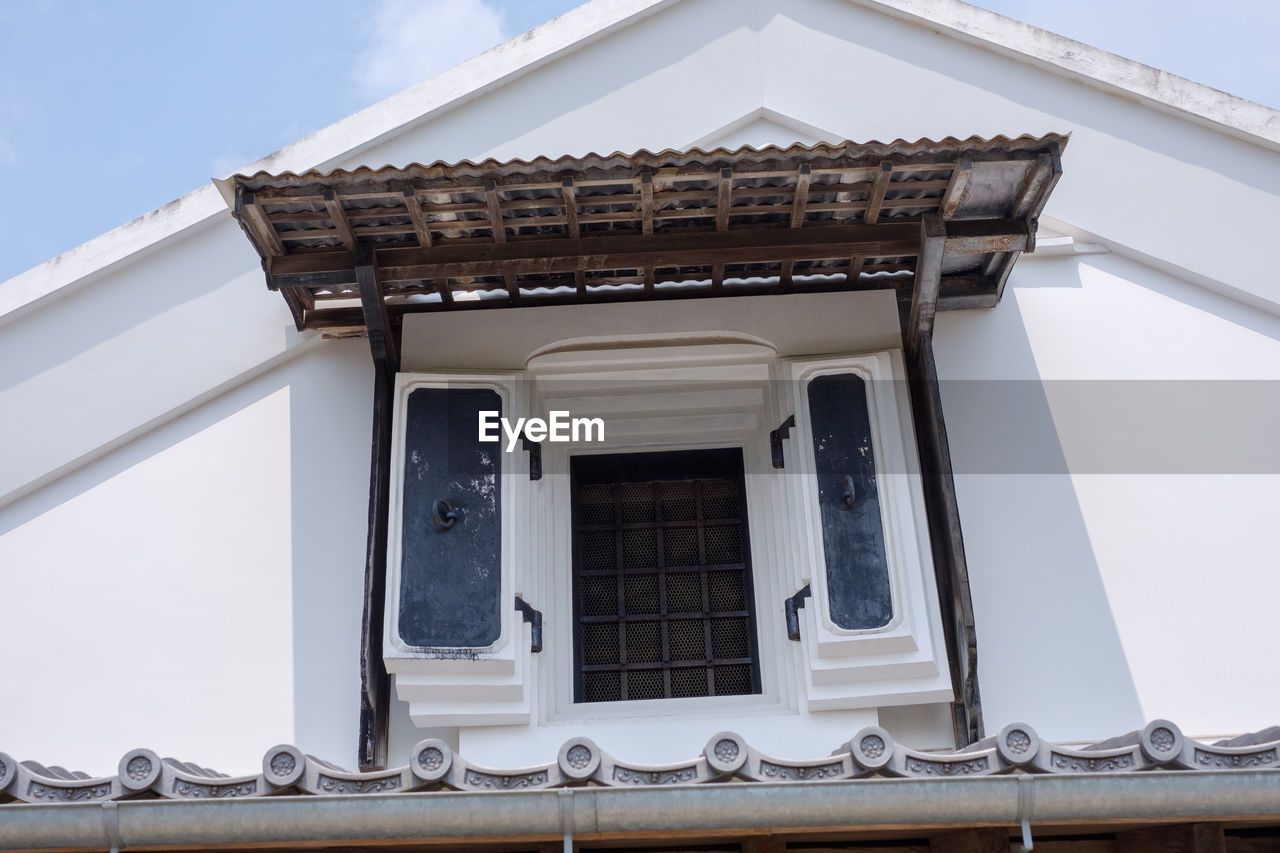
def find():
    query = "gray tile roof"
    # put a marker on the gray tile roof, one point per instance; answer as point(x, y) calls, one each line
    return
point(432, 765)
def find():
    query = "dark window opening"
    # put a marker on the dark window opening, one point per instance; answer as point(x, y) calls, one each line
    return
point(662, 577)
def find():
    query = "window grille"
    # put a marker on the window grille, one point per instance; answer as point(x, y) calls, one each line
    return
point(662, 577)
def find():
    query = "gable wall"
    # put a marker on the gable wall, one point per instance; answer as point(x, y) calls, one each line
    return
point(1078, 582)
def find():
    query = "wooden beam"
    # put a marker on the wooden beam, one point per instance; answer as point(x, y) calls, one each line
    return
point(856, 262)
point(801, 198)
point(766, 245)
point(1183, 838)
point(570, 194)
point(955, 189)
point(499, 231)
point(724, 199)
point(381, 339)
point(572, 226)
point(496, 224)
point(717, 276)
point(928, 280)
point(420, 226)
point(346, 317)
point(339, 219)
point(646, 202)
point(423, 230)
point(946, 536)
point(971, 841)
point(878, 189)
point(375, 684)
point(649, 280)
point(268, 243)
point(1039, 181)
point(264, 232)
point(799, 202)
point(947, 541)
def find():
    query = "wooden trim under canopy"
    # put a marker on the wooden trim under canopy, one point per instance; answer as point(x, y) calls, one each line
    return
point(647, 226)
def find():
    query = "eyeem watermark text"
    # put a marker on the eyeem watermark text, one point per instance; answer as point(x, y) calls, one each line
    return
point(559, 426)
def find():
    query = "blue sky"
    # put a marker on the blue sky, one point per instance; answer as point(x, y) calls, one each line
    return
point(121, 107)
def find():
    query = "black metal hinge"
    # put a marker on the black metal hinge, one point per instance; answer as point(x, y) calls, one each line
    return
point(535, 456)
point(793, 605)
point(775, 440)
point(534, 618)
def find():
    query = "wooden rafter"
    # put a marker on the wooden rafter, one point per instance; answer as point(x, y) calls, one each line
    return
point(646, 202)
point(339, 218)
point(572, 226)
point(799, 202)
point(856, 262)
point(956, 186)
point(420, 227)
point(724, 199)
point(878, 189)
point(928, 279)
point(498, 228)
point(260, 224)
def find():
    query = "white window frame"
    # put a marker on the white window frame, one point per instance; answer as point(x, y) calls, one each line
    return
point(904, 661)
point(455, 685)
point(730, 421)
point(831, 668)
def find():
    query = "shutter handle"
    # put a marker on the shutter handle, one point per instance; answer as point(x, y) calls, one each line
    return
point(850, 491)
point(534, 618)
point(443, 514)
point(792, 607)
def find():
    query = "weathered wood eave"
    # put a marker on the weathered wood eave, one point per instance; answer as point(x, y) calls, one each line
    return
point(648, 226)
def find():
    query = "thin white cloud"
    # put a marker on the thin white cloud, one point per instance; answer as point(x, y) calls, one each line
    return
point(414, 39)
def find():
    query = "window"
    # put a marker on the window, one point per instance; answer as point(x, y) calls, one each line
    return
point(661, 559)
point(662, 577)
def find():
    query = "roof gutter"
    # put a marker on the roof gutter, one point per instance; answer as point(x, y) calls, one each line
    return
point(705, 810)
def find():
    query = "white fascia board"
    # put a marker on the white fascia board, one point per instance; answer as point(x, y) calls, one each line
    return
point(1109, 72)
point(451, 88)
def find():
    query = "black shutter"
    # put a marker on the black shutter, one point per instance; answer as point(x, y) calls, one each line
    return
point(451, 569)
point(852, 532)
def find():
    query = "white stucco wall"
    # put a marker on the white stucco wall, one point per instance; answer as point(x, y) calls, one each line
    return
point(197, 591)
point(1115, 509)
point(183, 483)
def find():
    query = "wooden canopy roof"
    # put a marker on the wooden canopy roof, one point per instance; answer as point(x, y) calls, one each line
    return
point(645, 226)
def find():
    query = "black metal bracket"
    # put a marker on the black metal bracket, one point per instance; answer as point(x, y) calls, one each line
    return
point(775, 440)
point(793, 605)
point(534, 618)
point(535, 456)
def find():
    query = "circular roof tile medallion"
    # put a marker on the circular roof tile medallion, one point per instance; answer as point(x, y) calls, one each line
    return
point(726, 752)
point(431, 759)
point(8, 771)
point(1018, 744)
point(579, 759)
point(1161, 742)
point(283, 766)
point(139, 769)
point(872, 747)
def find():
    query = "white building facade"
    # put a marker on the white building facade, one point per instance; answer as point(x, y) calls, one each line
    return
point(185, 486)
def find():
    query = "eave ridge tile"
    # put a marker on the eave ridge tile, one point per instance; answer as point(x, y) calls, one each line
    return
point(872, 752)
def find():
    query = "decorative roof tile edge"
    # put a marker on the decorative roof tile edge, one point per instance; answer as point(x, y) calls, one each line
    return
point(727, 757)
